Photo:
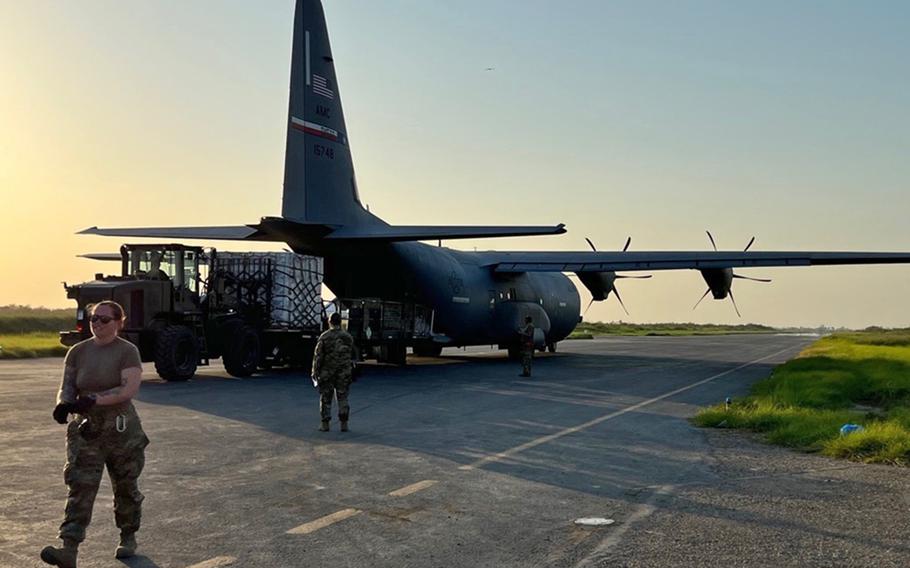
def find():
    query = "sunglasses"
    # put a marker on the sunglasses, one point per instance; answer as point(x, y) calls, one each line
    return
point(103, 319)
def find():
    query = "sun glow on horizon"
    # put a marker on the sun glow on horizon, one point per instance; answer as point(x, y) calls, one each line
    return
point(616, 119)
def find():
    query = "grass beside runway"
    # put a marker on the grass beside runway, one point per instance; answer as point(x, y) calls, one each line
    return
point(26, 319)
point(590, 330)
point(858, 378)
point(29, 345)
point(27, 332)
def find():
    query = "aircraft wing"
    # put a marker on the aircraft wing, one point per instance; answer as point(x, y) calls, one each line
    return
point(286, 230)
point(111, 256)
point(233, 233)
point(434, 232)
point(585, 261)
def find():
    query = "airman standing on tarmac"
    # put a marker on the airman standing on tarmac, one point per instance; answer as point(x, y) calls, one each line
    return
point(101, 376)
point(526, 340)
point(332, 366)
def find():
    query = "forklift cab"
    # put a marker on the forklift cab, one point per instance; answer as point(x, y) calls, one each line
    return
point(177, 263)
point(182, 267)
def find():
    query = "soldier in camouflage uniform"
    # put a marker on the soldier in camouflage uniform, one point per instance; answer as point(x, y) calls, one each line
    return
point(526, 344)
point(101, 376)
point(332, 372)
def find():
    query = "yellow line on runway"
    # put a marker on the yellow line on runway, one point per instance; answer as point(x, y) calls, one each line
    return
point(543, 440)
point(413, 488)
point(216, 562)
point(325, 521)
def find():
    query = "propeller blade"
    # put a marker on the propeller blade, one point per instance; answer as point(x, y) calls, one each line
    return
point(734, 304)
point(616, 293)
point(643, 276)
point(712, 240)
point(749, 245)
point(628, 242)
point(702, 298)
point(590, 243)
point(750, 278)
point(588, 308)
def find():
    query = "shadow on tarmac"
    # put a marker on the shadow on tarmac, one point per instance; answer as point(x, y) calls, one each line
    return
point(473, 406)
point(139, 561)
point(465, 407)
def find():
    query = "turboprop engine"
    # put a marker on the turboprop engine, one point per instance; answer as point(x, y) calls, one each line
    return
point(600, 284)
point(720, 280)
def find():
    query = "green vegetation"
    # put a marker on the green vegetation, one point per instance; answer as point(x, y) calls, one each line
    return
point(25, 319)
point(32, 332)
point(586, 330)
point(852, 377)
point(27, 345)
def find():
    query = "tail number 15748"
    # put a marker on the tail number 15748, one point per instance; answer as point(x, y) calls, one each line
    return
point(323, 151)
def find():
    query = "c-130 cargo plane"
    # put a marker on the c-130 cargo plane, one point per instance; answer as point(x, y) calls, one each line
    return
point(479, 298)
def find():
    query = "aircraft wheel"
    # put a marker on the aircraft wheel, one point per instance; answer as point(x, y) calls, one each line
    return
point(176, 353)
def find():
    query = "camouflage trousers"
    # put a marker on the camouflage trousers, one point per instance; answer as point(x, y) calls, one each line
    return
point(527, 355)
point(111, 438)
point(329, 388)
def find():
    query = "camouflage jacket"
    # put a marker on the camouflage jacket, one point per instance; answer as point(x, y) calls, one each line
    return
point(526, 334)
point(333, 356)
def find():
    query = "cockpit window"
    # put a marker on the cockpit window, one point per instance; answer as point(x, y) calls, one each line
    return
point(190, 273)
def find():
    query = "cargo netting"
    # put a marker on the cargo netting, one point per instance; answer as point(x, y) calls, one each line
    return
point(286, 286)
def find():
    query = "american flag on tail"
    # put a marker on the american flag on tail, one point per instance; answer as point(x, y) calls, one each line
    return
point(321, 87)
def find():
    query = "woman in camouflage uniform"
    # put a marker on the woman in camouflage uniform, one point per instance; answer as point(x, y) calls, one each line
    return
point(101, 376)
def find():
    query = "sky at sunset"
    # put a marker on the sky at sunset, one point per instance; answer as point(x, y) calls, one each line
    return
point(656, 120)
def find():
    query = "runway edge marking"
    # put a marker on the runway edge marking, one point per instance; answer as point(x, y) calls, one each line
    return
point(549, 438)
point(643, 511)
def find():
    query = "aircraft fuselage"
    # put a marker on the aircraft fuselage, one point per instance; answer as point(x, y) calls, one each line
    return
point(473, 305)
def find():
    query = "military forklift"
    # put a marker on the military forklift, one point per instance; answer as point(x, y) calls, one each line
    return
point(383, 329)
point(187, 305)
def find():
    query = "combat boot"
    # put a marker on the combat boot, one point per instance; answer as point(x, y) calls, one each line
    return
point(127, 547)
point(64, 557)
point(344, 425)
point(325, 426)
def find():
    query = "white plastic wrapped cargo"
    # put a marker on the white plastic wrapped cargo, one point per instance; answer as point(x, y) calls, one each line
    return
point(296, 291)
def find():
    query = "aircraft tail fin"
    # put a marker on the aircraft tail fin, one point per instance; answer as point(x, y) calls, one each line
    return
point(319, 184)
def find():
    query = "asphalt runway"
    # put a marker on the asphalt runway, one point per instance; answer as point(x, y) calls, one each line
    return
point(458, 462)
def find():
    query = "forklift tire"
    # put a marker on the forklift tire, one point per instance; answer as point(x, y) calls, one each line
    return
point(428, 350)
point(241, 354)
point(398, 354)
point(176, 353)
point(394, 354)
